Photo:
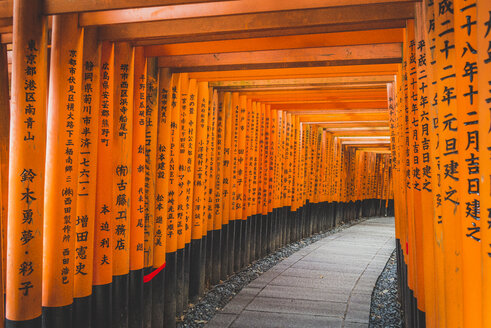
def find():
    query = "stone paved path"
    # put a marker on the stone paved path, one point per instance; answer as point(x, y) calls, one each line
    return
point(326, 284)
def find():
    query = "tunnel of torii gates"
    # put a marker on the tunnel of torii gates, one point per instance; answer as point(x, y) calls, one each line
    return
point(150, 149)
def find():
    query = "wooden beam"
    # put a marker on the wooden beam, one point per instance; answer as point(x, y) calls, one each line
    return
point(367, 142)
point(312, 82)
point(6, 29)
point(278, 43)
point(6, 38)
point(6, 9)
point(54, 7)
point(311, 56)
point(242, 34)
point(265, 24)
point(332, 105)
point(349, 123)
point(316, 114)
point(211, 9)
point(365, 130)
point(318, 96)
point(290, 73)
point(360, 133)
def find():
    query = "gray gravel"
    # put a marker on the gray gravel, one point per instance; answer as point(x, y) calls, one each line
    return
point(218, 296)
point(385, 309)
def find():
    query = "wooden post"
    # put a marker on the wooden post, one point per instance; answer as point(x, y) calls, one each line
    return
point(435, 155)
point(26, 166)
point(199, 200)
point(4, 169)
point(190, 140)
point(87, 173)
point(151, 128)
point(137, 197)
point(219, 173)
point(181, 196)
point(161, 196)
point(122, 172)
point(62, 161)
point(172, 203)
point(446, 55)
point(484, 67)
point(227, 173)
point(468, 148)
point(104, 209)
point(213, 222)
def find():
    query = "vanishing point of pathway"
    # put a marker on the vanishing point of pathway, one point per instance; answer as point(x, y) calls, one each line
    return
point(326, 284)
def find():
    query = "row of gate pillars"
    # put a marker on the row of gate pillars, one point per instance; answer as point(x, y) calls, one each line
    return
point(207, 262)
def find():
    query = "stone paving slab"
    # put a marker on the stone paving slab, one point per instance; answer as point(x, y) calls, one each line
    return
point(326, 284)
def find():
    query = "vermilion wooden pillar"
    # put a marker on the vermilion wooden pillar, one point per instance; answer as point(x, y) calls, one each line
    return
point(172, 202)
point(162, 169)
point(449, 141)
point(137, 193)
point(122, 172)
point(62, 175)
point(103, 241)
point(197, 247)
point(151, 127)
point(26, 169)
point(484, 89)
point(4, 162)
point(87, 173)
point(466, 69)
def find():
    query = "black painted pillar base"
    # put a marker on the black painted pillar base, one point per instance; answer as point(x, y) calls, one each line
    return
point(147, 300)
point(135, 301)
point(82, 308)
point(58, 317)
point(216, 258)
point(120, 300)
point(187, 264)
point(195, 271)
point(224, 252)
point(209, 260)
point(158, 298)
point(170, 290)
point(179, 281)
point(102, 306)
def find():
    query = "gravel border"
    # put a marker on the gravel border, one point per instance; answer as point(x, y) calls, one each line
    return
point(385, 309)
point(198, 315)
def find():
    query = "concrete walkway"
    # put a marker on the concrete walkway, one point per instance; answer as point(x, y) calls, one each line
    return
point(326, 284)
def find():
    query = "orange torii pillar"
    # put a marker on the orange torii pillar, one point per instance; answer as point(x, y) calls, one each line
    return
point(190, 140)
point(484, 89)
point(219, 173)
point(196, 278)
point(246, 173)
point(235, 224)
point(228, 231)
point(26, 166)
point(153, 301)
point(446, 55)
point(62, 161)
point(4, 149)
point(207, 214)
point(137, 196)
point(214, 216)
point(423, 125)
point(468, 147)
point(174, 100)
point(122, 172)
point(104, 209)
point(159, 186)
point(435, 155)
point(87, 180)
point(262, 205)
